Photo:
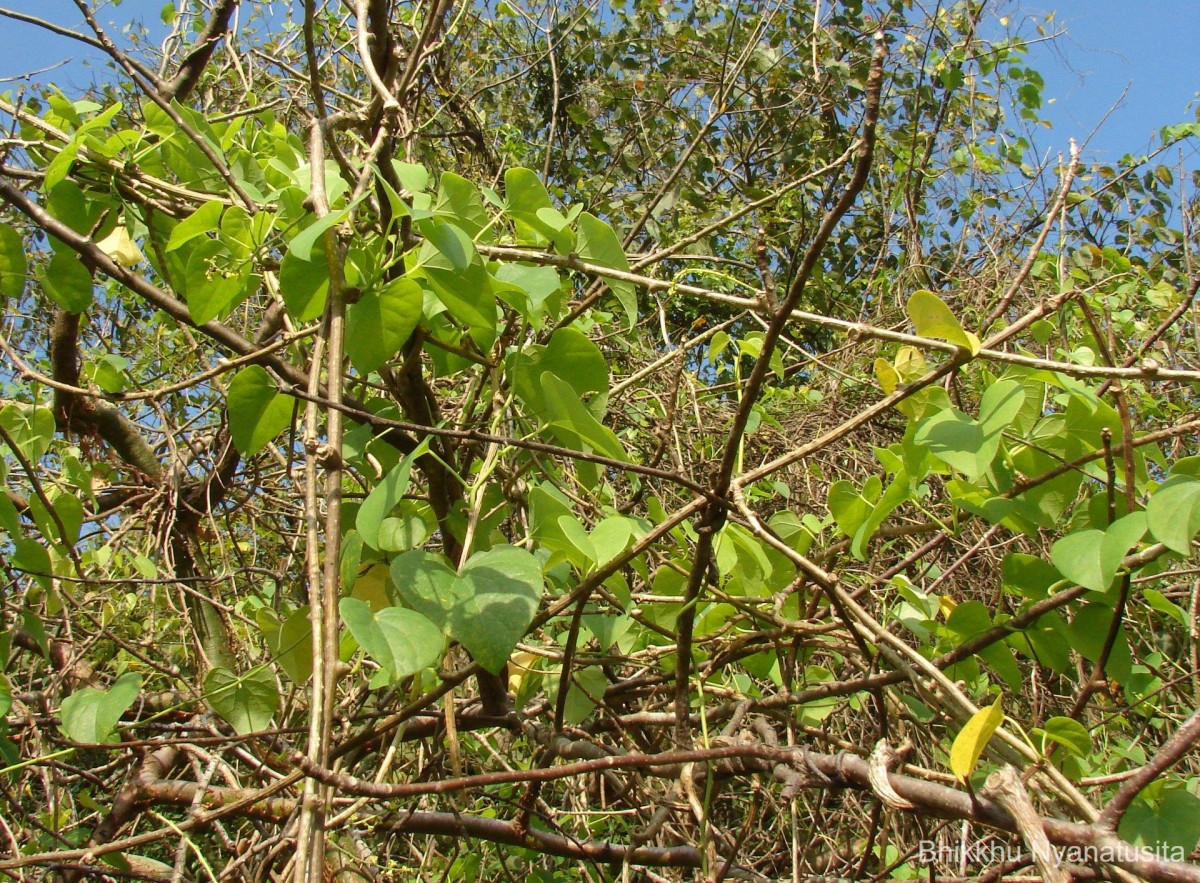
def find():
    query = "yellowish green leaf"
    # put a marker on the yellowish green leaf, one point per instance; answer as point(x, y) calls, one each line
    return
point(119, 246)
point(932, 318)
point(973, 738)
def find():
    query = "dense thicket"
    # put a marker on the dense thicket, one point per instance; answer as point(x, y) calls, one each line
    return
point(575, 441)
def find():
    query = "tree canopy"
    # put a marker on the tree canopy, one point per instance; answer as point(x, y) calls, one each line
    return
point(635, 440)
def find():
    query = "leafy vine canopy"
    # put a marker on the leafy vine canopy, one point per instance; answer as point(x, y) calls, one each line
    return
point(697, 440)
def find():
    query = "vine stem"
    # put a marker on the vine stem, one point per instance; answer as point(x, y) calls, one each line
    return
point(323, 560)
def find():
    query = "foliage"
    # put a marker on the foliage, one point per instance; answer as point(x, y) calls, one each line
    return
point(505, 439)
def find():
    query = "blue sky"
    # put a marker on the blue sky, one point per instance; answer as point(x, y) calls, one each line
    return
point(1144, 51)
point(1138, 59)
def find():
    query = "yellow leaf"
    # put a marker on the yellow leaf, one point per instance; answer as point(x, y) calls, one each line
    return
point(932, 318)
point(120, 247)
point(973, 738)
point(910, 363)
point(946, 605)
point(887, 376)
point(520, 664)
point(371, 586)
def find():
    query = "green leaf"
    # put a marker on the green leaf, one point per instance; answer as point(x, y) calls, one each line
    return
point(257, 410)
point(371, 586)
point(897, 493)
point(70, 512)
point(1077, 557)
point(91, 715)
point(585, 684)
point(108, 372)
point(32, 557)
point(999, 406)
point(847, 506)
point(971, 618)
point(303, 243)
point(570, 356)
point(1173, 513)
point(598, 244)
point(608, 629)
point(1091, 558)
point(459, 200)
point(304, 284)
point(13, 266)
point(206, 219)
point(402, 641)
point(403, 532)
point(411, 176)
point(1119, 537)
point(68, 282)
point(548, 517)
point(384, 497)
point(1028, 575)
point(1088, 633)
point(612, 536)
point(247, 703)
point(1172, 822)
point(291, 645)
point(60, 166)
point(379, 324)
point(68, 203)
point(215, 281)
point(486, 607)
point(1069, 733)
point(527, 197)
point(525, 191)
point(465, 289)
point(973, 738)
point(31, 428)
point(540, 290)
point(1160, 602)
point(970, 446)
point(573, 424)
point(454, 243)
point(932, 318)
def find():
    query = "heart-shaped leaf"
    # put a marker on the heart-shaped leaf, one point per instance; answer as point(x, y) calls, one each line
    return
point(1172, 823)
point(1077, 557)
point(570, 356)
point(379, 324)
point(932, 318)
point(847, 506)
point(246, 702)
point(214, 281)
point(291, 645)
point(91, 715)
point(459, 201)
point(402, 641)
point(465, 289)
point(1173, 513)
point(1091, 558)
point(68, 282)
point(257, 410)
point(486, 608)
point(304, 284)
